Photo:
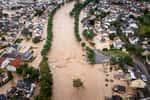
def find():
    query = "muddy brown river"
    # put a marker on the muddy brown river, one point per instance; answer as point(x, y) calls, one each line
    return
point(67, 62)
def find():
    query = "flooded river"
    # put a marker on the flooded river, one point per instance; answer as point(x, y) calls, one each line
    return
point(67, 61)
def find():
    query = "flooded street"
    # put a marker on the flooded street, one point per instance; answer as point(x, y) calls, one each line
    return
point(67, 62)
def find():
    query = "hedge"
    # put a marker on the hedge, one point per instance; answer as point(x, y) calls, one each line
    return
point(76, 13)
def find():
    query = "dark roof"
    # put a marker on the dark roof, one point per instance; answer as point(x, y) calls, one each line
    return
point(24, 84)
point(12, 55)
point(11, 92)
point(91, 22)
point(14, 46)
point(28, 54)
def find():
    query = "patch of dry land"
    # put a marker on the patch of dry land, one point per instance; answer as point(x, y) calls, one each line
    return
point(67, 62)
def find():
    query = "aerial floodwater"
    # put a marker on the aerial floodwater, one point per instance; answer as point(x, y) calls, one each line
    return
point(74, 49)
point(67, 60)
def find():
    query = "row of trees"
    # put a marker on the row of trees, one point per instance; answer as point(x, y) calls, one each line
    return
point(90, 55)
point(87, 34)
point(144, 25)
point(76, 13)
point(46, 81)
point(48, 43)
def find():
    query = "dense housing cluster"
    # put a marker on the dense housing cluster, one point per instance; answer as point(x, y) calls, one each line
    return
point(123, 27)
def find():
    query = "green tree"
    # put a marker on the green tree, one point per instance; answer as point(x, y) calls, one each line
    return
point(77, 83)
point(19, 70)
point(10, 76)
point(36, 40)
point(26, 32)
point(46, 81)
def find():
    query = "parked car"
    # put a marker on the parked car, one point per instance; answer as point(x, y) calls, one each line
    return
point(119, 89)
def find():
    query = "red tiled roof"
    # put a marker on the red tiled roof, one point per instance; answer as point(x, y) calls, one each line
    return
point(16, 62)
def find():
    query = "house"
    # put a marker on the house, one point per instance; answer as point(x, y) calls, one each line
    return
point(11, 64)
point(133, 25)
point(26, 85)
point(20, 95)
point(12, 55)
point(132, 74)
point(112, 30)
point(133, 40)
point(3, 78)
point(5, 63)
point(28, 55)
point(104, 37)
point(138, 84)
point(11, 91)
point(3, 44)
point(14, 64)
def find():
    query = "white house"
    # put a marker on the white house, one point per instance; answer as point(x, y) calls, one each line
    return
point(5, 63)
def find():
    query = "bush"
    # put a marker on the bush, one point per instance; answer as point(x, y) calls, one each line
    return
point(28, 72)
point(112, 36)
point(122, 61)
point(77, 83)
point(105, 49)
point(137, 49)
point(18, 40)
point(10, 76)
point(83, 44)
point(36, 40)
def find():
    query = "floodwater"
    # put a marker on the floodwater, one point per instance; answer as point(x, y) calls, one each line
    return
point(67, 62)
